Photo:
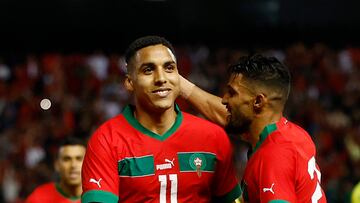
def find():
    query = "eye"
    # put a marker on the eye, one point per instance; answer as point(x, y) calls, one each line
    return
point(66, 159)
point(147, 70)
point(231, 92)
point(170, 67)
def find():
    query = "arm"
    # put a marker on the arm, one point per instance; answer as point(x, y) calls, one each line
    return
point(207, 104)
point(100, 180)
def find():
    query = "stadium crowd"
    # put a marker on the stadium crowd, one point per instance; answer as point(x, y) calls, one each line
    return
point(86, 89)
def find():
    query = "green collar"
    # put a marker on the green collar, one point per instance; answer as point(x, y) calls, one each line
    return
point(61, 191)
point(264, 134)
point(129, 116)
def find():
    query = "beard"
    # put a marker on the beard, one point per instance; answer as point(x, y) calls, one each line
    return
point(237, 124)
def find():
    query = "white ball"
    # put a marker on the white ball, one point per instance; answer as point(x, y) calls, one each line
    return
point(45, 104)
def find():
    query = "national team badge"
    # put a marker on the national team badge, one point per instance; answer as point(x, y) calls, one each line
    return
point(198, 162)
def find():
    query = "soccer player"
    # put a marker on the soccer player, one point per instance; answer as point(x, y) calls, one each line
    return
point(68, 164)
point(282, 166)
point(153, 152)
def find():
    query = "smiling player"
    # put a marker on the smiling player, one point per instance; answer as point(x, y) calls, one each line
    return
point(153, 152)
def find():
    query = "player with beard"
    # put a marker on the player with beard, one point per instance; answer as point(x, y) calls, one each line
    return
point(68, 164)
point(282, 166)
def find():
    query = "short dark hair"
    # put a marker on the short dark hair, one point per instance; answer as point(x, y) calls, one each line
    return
point(266, 70)
point(71, 140)
point(145, 42)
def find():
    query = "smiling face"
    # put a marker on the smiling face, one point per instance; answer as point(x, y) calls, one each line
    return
point(153, 78)
point(68, 164)
point(239, 100)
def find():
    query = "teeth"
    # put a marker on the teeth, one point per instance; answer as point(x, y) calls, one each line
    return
point(162, 93)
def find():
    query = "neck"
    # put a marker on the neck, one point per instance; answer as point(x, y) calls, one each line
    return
point(70, 190)
point(157, 122)
point(260, 122)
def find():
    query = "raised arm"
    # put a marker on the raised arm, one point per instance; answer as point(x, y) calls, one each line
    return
point(205, 103)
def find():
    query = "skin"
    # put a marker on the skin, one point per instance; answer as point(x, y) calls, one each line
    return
point(154, 81)
point(238, 100)
point(245, 109)
point(68, 165)
point(250, 107)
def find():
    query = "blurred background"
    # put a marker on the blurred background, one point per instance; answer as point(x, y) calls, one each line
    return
point(71, 52)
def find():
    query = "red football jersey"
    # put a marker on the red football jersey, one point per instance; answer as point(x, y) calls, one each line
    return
point(282, 167)
point(126, 162)
point(50, 192)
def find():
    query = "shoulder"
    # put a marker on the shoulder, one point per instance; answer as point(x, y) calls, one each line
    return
point(42, 191)
point(106, 131)
point(291, 135)
point(287, 143)
point(209, 134)
point(112, 124)
point(45, 187)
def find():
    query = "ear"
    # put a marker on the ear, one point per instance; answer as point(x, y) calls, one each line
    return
point(128, 83)
point(259, 103)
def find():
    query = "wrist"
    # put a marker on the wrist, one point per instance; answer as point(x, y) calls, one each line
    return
point(186, 88)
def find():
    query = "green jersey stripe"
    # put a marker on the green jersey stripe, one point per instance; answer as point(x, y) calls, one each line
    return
point(278, 201)
point(197, 161)
point(128, 114)
point(72, 198)
point(263, 135)
point(99, 196)
point(136, 166)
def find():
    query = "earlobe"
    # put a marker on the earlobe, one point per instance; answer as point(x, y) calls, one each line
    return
point(128, 84)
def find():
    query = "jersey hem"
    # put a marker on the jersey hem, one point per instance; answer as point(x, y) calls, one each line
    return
point(278, 201)
point(99, 196)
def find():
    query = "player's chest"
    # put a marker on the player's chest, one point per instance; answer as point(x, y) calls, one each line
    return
point(158, 161)
point(164, 159)
point(168, 171)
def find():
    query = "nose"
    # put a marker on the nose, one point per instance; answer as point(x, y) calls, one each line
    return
point(160, 76)
point(75, 163)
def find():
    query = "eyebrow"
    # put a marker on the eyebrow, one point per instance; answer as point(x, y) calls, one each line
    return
point(146, 64)
point(151, 63)
point(169, 62)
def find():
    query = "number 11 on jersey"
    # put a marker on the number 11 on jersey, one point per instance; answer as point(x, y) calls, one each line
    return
point(173, 188)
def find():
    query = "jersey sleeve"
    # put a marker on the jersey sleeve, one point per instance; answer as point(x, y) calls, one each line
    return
point(226, 184)
point(31, 198)
point(277, 175)
point(100, 180)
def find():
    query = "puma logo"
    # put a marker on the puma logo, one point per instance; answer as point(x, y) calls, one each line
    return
point(168, 164)
point(168, 161)
point(269, 189)
point(97, 182)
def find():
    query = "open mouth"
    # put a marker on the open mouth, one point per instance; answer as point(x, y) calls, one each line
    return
point(162, 92)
